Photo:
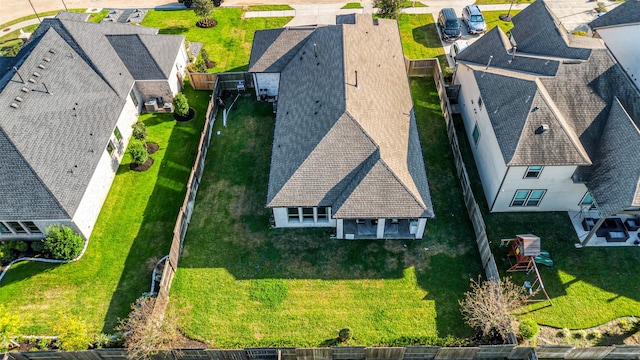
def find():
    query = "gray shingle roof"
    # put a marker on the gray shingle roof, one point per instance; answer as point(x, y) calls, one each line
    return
point(615, 181)
point(335, 143)
point(272, 49)
point(61, 127)
point(136, 57)
point(626, 13)
point(537, 31)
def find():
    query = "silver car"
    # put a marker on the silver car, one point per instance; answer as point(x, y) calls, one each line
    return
point(472, 17)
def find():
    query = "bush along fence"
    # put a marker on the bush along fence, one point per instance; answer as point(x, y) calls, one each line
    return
point(356, 353)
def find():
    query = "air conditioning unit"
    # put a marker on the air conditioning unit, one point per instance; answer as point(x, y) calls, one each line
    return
point(151, 106)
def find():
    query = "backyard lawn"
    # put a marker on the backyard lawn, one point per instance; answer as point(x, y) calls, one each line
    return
point(243, 284)
point(133, 231)
point(588, 286)
point(228, 43)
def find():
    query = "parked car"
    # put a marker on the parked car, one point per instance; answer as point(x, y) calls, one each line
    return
point(448, 24)
point(472, 17)
point(457, 47)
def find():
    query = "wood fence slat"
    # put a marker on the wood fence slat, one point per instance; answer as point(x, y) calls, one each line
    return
point(313, 354)
point(457, 353)
point(389, 353)
point(594, 352)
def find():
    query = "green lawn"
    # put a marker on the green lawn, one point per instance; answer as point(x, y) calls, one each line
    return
point(228, 43)
point(133, 231)
point(352, 5)
point(588, 286)
point(492, 19)
point(419, 37)
point(408, 4)
point(268, 7)
point(243, 284)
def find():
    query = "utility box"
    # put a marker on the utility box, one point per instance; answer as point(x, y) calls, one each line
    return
point(151, 106)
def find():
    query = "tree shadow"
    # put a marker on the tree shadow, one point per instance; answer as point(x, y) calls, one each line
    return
point(427, 36)
point(174, 30)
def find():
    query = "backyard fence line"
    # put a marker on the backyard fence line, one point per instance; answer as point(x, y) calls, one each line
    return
point(184, 215)
point(355, 353)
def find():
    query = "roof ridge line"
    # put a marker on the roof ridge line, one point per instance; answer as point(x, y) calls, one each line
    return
point(420, 203)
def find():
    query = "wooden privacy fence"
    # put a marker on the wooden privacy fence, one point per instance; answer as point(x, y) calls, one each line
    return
point(184, 216)
point(357, 353)
point(202, 81)
point(226, 81)
point(431, 67)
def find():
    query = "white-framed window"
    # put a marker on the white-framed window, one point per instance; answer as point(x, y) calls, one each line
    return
point(117, 134)
point(33, 228)
point(587, 200)
point(476, 134)
point(480, 102)
point(293, 214)
point(17, 227)
point(323, 214)
point(527, 198)
point(4, 229)
point(533, 172)
point(307, 214)
point(110, 147)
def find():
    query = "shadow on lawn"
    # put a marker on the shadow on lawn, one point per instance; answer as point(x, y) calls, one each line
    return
point(427, 36)
point(154, 234)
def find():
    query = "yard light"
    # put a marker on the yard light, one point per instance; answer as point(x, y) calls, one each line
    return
point(34, 11)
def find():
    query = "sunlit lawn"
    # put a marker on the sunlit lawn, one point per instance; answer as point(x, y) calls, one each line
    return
point(492, 18)
point(420, 38)
point(243, 284)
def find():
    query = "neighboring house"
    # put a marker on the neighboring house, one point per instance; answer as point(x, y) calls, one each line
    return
point(346, 152)
point(552, 119)
point(619, 28)
point(69, 99)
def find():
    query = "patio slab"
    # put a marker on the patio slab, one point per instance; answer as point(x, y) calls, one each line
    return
point(576, 220)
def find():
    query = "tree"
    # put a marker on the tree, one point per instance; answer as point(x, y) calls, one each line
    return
point(140, 131)
point(72, 333)
point(181, 105)
point(489, 305)
point(9, 326)
point(62, 243)
point(145, 334)
point(507, 16)
point(204, 10)
point(139, 153)
point(389, 9)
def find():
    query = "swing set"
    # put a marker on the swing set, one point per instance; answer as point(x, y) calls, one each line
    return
point(523, 253)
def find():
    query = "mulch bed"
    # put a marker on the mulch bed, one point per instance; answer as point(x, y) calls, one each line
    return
point(142, 167)
point(206, 23)
point(189, 116)
point(152, 148)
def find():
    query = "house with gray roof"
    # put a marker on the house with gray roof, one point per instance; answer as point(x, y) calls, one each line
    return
point(70, 97)
point(346, 152)
point(552, 119)
point(619, 28)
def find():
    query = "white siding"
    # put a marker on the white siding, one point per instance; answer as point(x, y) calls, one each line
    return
point(281, 218)
point(178, 70)
point(625, 48)
point(562, 194)
point(98, 188)
point(269, 81)
point(487, 154)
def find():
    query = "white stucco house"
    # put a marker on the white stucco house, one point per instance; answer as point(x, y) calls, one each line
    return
point(346, 152)
point(619, 28)
point(552, 119)
point(70, 97)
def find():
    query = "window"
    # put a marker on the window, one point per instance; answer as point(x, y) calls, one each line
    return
point(480, 102)
point(133, 98)
point(527, 198)
point(476, 134)
point(533, 172)
point(33, 228)
point(110, 147)
point(17, 227)
point(117, 134)
point(293, 214)
point(4, 229)
point(307, 213)
point(323, 213)
point(587, 200)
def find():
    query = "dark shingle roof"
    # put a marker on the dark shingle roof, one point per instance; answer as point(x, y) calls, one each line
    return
point(59, 129)
point(273, 49)
point(537, 31)
point(333, 140)
point(615, 181)
point(136, 57)
point(626, 13)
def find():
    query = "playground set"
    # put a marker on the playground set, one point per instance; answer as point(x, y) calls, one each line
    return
point(524, 254)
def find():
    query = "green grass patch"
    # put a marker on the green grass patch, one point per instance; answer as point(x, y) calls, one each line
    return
point(228, 43)
point(268, 7)
point(244, 284)
point(133, 231)
point(99, 16)
point(586, 289)
point(492, 19)
point(419, 37)
point(352, 5)
point(494, 2)
point(41, 15)
point(410, 4)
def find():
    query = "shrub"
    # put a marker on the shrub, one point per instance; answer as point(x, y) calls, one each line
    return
point(139, 154)
point(9, 326)
point(72, 333)
point(140, 131)
point(181, 104)
point(580, 334)
point(204, 55)
point(62, 243)
point(579, 33)
point(37, 246)
point(344, 335)
point(595, 334)
point(601, 7)
point(20, 246)
point(565, 333)
point(6, 253)
point(528, 329)
point(101, 340)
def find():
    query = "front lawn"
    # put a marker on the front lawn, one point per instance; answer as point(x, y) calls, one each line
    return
point(352, 5)
point(494, 2)
point(228, 43)
point(588, 286)
point(420, 38)
point(242, 284)
point(133, 231)
point(268, 7)
point(492, 19)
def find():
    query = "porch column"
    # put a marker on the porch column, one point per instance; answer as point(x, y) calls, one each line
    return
point(380, 230)
point(422, 223)
point(593, 230)
point(339, 229)
point(256, 86)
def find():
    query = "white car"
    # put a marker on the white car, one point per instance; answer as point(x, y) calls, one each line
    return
point(457, 47)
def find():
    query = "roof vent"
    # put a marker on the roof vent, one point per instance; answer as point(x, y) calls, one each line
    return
point(24, 90)
point(14, 105)
point(19, 99)
point(542, 128)
point(52, 50)
point(41, 66)
point(47, 59)
point(32, 80)
point(36, 74)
